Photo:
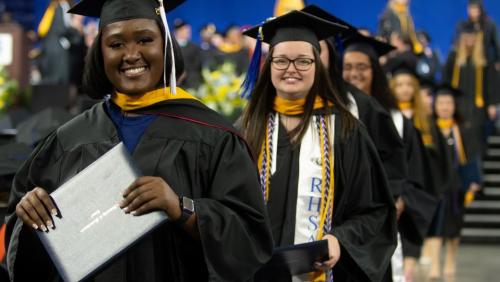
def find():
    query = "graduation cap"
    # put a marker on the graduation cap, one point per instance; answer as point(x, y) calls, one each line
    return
point(12, 156)
point(321, 13)
point(293, 26)
point(110, 11)
point(403, 67)
point(447, 89)
point(368, 45)
point(337, 40)
point(426, 83)
point(179, 23)
point(40, 125)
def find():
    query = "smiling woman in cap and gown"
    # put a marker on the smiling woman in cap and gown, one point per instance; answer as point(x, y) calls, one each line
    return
point(185, 150)
point(320, 173)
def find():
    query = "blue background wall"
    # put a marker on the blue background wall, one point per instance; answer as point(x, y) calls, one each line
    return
point(437, 17)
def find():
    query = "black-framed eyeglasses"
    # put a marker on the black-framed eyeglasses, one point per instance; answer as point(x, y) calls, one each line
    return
point(301, 64)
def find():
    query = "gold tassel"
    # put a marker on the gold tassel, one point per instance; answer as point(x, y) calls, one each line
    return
point(469, 198)
point(407, 26)
point(48, 17)
point(459, 145)
point(284, 6)
point(479, 100)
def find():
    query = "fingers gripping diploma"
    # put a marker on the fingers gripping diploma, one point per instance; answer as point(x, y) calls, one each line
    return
point(334, 254)
point(36, 209)
point(149, 193)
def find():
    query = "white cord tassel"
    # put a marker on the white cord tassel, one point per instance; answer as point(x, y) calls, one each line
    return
point(168, 39)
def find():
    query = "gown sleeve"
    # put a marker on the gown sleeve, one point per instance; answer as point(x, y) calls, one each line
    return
point(232, 220)
point(26, 257)
point(364, 218)
point(389, 146)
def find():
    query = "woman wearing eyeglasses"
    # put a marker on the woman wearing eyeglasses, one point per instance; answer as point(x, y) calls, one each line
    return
point(320, 174)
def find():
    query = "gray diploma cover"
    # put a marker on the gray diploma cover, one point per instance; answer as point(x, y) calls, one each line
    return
point(92, 229)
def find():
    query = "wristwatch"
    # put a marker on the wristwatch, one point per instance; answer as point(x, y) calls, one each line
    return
point(187, 209)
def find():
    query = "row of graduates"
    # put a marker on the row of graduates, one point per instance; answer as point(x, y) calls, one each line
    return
point(333, 162)
point(442, 147)
point(454, 120)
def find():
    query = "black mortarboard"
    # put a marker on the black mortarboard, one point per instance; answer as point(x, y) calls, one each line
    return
point(110, 11)
point(293, 26)
point(366, 44)
point(447, 89)
point(403, 67)
point(426, 83)
point(179, 23)
point(321, 13)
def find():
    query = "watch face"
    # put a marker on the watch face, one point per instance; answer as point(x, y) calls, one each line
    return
point(188, 204)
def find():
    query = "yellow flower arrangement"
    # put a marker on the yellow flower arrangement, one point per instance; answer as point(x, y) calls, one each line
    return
point(221, 90)
point(8, 90)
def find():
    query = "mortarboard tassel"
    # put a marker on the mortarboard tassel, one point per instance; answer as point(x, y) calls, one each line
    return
point(168, 39)
point(254, 68)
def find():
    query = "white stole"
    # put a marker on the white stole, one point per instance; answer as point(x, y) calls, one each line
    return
point(353, 106)
point(398, 119)
point(307, 213)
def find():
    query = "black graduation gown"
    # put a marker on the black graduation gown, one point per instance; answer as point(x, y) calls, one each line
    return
point(442, 174)
point(193, 54)
point(418, 193)
point(448, 220)
point(55, 60)
point(364, 219)
point(199, 158)
point(438, 161)
point(385, 137)
point(473, 117)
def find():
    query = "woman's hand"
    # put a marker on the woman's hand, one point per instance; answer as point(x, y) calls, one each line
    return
point(150, 193)
point(36, 209)
point(334, 254)
point(400, 207)
point(474, 187)
point(492, 112)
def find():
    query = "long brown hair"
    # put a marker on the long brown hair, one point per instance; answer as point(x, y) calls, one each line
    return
point(261, 104)
point(478, 56)
point(420, 120)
